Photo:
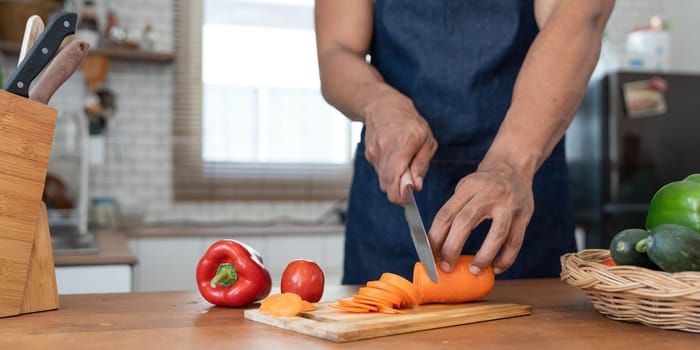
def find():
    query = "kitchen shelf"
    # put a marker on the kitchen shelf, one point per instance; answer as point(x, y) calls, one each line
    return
point(115, 53)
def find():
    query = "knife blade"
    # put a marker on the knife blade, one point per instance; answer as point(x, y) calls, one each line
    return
point(58, 71)
point(31, 31)
point(60, 25)
point(415, 225)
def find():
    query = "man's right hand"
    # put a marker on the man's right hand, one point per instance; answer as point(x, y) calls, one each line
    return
point(397, 138)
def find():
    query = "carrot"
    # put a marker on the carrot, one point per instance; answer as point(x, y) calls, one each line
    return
point(405, 299)
point(354, 303)
point(285, 304)
point(405, 285)
point(454, 287)
point(307, 306)
point(380, 294)
point(371, 301)
point(388, 310)
point(349, 308)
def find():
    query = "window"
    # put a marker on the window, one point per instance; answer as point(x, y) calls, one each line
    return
point(256, 126)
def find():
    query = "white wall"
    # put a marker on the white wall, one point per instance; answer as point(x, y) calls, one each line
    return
point(684, 16)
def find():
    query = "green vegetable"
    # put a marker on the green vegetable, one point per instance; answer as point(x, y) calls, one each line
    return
point(623, 252)
point(676, 203)
point(674, 248)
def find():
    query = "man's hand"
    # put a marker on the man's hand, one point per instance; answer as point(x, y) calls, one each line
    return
point(397, 138)
point(497, 192)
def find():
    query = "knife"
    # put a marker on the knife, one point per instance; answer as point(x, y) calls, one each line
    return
point(31, 31)
point(58, 71)
point(61, 25)
point(415, 225)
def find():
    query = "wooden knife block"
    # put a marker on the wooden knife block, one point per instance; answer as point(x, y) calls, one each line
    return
point(27, 274)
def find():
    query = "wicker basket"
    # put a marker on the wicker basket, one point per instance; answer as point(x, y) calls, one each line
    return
point(635, 294)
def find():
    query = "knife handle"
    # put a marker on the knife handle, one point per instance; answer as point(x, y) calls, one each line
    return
point(58, 71)
point(60, 25)
point(405, 182)
point(32, 30)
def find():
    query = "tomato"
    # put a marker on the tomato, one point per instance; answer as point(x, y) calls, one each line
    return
point(609, 262)
point(304, 278)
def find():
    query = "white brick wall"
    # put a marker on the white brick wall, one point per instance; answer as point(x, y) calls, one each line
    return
point(144, 121)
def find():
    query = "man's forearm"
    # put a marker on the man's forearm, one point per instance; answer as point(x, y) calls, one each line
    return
point(550, 85)
point(348, 82)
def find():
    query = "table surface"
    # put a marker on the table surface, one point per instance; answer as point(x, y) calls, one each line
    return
point(562, 318)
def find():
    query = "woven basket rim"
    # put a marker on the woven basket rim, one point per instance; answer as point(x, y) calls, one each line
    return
point(630, 293)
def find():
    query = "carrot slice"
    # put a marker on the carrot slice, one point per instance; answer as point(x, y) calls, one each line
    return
point(380, 294)
point(349, 308)
point(285, 304)
point(389, 310)
point(403, 284)
point(371, 301)
point(353, 303)
point(405, 299)
point(307, 306)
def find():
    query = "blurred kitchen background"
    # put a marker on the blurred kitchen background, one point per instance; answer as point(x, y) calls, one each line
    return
point(166, 165)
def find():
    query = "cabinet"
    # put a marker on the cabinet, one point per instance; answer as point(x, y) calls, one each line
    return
point(168, 263)
point(94, 279)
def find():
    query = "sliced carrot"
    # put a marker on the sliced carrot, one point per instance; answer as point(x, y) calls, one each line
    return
point(307, 306)
point(285, 304)
point(371, 301)
point(403, 284)
point(349, 308)
point(389, 310)
point(380, 294)
point(353, 303)
point(405, 299)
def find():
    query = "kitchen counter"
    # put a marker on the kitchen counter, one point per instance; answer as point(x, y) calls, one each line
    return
point(219, 230)
point(562, 318)
point(112, 248)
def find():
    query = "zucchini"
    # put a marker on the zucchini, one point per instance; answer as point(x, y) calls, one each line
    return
point(674, 248)
point(623, 252)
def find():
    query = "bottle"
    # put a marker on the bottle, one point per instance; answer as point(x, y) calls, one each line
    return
point(88, 28)
point(148, 39)
point(113, 33)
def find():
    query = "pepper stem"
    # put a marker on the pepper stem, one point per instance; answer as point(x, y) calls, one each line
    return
point(226, 275)
point(641, 245)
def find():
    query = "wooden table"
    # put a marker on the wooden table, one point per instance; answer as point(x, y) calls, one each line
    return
point(562, 318)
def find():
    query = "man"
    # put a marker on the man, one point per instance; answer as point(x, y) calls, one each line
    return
point(473, 99)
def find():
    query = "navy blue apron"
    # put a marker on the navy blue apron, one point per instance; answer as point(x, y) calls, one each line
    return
point(458, 61)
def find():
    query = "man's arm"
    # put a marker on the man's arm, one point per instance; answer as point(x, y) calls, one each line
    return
point(552, 81)
point(397, 138)
point(547, 92)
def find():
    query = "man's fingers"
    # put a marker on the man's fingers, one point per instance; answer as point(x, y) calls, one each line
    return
point(512, 246)
point(497, 235)
point(468, 217)
point(421, 162)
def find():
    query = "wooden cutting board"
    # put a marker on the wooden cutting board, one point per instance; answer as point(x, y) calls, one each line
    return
point(327, 323)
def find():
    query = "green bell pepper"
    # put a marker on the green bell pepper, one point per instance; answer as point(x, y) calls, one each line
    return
point(676, 203)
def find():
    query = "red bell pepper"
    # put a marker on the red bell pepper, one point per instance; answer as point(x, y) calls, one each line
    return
point(231, 273)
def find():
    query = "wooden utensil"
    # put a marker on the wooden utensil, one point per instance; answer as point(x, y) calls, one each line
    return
point(327, 323)
point(94, 69)
point(34, 27)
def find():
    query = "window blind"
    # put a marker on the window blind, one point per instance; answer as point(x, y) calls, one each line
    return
point(204, 170)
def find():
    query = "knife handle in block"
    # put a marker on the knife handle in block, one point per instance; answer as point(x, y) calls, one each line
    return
point(58, 71)
point(32, 30)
